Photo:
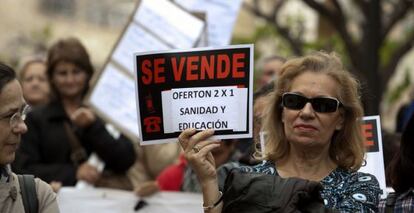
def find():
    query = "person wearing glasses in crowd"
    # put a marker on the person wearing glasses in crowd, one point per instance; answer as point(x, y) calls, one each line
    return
point(313, 133)
point(13, 110)
point(63, 134)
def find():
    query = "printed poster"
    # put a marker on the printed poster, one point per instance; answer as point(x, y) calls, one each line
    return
point(202, 88)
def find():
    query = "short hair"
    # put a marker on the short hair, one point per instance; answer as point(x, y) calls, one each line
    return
point(69, 50)
point(401, 169)
point(7, 75)
point(347, 148)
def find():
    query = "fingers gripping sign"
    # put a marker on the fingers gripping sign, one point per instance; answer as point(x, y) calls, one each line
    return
point(197, 150)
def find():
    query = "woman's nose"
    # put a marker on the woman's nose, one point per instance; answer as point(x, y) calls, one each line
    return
point(307, 110)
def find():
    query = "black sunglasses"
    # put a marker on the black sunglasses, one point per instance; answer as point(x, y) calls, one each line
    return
point(319, 104)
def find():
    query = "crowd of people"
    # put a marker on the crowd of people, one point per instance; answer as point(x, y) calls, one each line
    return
point(306, 150)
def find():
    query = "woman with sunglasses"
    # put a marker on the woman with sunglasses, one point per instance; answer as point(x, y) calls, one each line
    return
point(313, 132)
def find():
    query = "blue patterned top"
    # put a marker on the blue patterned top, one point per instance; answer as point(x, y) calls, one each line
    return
point(403, 204)
point(343, 190)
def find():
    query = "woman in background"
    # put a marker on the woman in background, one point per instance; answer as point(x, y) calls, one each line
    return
point(33, 78)
point(63, 133)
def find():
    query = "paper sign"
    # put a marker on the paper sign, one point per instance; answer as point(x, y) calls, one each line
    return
point(154, 25)
point(169, 23)
point(199, 88)
point(136, 40)
point(120, 105)
point(221, 16)
point(371, 128)
point(195, 108)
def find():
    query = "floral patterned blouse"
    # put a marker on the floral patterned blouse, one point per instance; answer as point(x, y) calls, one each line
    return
point(343, 190)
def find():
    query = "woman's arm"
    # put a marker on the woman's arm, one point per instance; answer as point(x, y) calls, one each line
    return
point(197, 150)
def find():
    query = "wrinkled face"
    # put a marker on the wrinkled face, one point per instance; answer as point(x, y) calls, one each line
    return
point(306, 127)
point(35, 84)
point(11, 101)
point(69, 80)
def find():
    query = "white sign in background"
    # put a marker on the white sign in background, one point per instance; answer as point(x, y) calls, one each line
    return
point(375, 160)
point(120, 105)
point(135, 39)
point(213, 106)
point(147, 32)
point(221, 16)
point(180, 29)
point(156, 25)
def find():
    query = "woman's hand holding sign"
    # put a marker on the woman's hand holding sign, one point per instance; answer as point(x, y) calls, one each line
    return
point(197, 148)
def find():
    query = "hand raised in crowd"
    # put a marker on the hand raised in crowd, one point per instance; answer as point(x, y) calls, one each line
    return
point(83, 117)
point(88, 173)
point(197, 150)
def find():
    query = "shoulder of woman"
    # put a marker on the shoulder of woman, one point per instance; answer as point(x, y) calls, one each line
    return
point(265, 167)
point(43, 189)
point(46, 197)
point(352, 178)
point(363, 177)
point(361, 181)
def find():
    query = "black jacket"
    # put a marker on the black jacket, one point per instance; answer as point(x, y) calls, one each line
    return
point(45, 149)
point(263, 193)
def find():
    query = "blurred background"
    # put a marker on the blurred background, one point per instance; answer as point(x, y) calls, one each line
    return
point(375, 38)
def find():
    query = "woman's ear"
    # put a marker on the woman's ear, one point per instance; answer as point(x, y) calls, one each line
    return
point(341, 121)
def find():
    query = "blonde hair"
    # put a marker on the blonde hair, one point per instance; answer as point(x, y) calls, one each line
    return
point(347, 147)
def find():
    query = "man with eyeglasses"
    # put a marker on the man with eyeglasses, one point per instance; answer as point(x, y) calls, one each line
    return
point(13, 110)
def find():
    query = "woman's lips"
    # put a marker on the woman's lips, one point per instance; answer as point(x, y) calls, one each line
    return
point(305, 127)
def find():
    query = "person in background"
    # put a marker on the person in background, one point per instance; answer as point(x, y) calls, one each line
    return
point(151, 161)
point(312, 133)
point(404, 113)
point(180, 176)
point(33, 78)
point(13, 109)
point(271, 69)
point(400, 172)
point(63, 133)
point(248, 147)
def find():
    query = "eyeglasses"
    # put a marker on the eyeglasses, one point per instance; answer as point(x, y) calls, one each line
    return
point(18, 117)
point(319, 104)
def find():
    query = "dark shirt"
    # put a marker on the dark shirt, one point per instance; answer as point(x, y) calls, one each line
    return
point(45, 148)
point(343, 190)
point(403, 204)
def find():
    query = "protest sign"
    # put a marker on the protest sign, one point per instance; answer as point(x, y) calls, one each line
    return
point(154, 25)
point(371, 128)
point(203, 88)
point(221, 16)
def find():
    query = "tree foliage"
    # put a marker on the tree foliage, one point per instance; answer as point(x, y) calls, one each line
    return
point(361, 32)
